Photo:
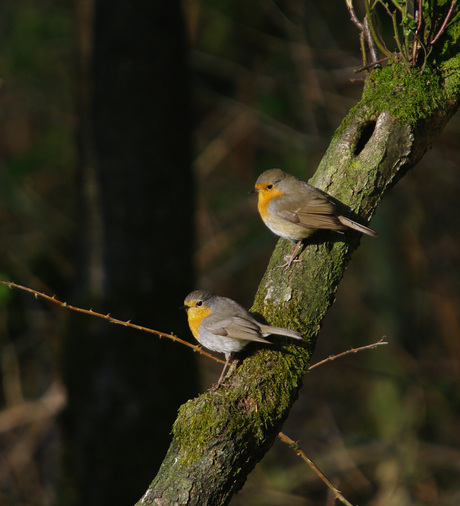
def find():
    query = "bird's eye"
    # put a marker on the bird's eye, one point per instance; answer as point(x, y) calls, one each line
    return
point(269, 187)
point(199, 303)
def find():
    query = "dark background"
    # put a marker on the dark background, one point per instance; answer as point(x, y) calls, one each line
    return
point(264, 85)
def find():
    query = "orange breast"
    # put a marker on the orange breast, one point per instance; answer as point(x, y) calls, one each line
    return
point(195, 315)
point(265, 196)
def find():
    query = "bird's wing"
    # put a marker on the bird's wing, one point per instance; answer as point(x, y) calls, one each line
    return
point(317, 212)
point(235, 327)
point(309, 219)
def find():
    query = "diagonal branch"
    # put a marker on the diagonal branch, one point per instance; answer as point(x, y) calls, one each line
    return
point(220, 436)
point(337, 494)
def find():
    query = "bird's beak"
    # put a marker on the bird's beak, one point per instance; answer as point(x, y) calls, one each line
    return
point(254, 190)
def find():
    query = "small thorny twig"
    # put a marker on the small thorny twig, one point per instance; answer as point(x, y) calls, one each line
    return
point(347, 352)
point(337, 494)
point(109, 318)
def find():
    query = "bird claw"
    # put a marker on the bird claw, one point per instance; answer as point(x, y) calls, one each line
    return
point(288, 262)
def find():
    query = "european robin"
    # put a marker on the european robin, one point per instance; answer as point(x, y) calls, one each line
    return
point(293, 209)
point(222, 325)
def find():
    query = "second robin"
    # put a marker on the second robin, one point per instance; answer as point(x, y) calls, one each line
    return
point(293, 209)
point(222, 325)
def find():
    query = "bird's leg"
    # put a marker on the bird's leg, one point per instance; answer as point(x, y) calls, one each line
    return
point(292, 257)
point(228, 356)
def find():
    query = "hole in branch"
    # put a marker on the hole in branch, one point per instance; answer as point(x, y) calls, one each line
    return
point(366, 134)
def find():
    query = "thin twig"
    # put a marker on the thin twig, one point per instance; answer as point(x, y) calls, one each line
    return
point(337, 494)
point(353, 16)
point(347, 352)
point(396, 37)
point(109, 318)
point(370, 41)
point(444, 24)
point(420, 16)
point(365, 34)
point(398, 6)
point(362, 45)
point(373, 64)
point(375, 36)
point(415, 42)
point(432, 17)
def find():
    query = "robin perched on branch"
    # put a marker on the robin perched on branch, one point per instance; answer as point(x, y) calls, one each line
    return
point(222, 325)
point(293, 209)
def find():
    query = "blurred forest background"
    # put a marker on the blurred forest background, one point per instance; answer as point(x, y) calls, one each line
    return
point(267, 84)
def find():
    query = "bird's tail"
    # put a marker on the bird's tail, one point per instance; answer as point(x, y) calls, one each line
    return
point(357, 226)
point(268, 329)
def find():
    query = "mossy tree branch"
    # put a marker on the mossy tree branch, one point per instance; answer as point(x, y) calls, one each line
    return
point(220, 436)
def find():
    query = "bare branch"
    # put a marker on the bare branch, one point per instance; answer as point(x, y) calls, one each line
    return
point(444, 24)
point(370, 42)
point(347, 352)
point(375, 36)
point(337, 494)
point(109, 318)
point(353, 16)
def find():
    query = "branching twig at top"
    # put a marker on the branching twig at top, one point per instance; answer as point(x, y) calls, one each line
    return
point(337, 494)
point(413, 26)
point(109, 318)
point(347, 352)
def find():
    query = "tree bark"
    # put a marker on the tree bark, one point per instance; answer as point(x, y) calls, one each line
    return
point(220, 436)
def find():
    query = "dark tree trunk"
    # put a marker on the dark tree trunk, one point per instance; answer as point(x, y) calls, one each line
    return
point(136, 242)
